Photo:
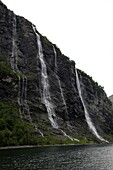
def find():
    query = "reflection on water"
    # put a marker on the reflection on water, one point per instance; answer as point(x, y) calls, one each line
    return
point(58, 158)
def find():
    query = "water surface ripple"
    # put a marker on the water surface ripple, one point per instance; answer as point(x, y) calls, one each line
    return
point(98, 157)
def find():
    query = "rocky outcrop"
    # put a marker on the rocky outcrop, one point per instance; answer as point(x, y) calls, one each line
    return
point(21, 90)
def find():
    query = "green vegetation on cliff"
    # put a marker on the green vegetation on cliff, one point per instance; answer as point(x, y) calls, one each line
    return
point(13, 131)
point(23, 114)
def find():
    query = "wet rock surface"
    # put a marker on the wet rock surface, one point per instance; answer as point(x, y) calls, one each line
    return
point(62, 83)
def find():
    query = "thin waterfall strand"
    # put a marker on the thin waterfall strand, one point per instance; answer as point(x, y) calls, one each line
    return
point(45, 83)
point(19, 97)
point(25, 103)
point(62, 95)
point(13, 43)
point(13, 62)
point(71, 138)
point(88, 119)
point(22, 86)
point(41, 133)
point(26, 106)
point(13, 59)
point(37, 130)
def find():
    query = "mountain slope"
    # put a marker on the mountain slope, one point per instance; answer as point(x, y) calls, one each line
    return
point(40, 99)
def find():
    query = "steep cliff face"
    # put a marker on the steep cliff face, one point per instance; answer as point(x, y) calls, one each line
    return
point(39, 97)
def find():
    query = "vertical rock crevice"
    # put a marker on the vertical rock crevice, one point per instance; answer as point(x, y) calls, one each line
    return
point(46, 87)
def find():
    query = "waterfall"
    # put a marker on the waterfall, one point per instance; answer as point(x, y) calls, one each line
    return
point(88, 119)
point(13, 59)
point(37, 130)
point(41, 133)
point(71, 138)
point(25, 103)
point(45, 83)
point(19, 97)
point(22, 80)
point(13, 43)
point(13, 62)
point(62, 95)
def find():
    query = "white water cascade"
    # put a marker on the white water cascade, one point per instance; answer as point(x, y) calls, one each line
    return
point(45, 83)
point(46, 94)
point(19, 97)
point(13, 62)
point(13, 59)
point(88, 119)
point(71, 138)
point(26, 106)
point(41, 133)
point(22, 80)
point(24, 97)
point(62, 95)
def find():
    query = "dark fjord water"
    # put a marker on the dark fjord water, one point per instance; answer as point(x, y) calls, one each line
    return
point(99, 157)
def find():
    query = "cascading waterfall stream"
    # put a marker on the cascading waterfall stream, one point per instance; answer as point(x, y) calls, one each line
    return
point(22, 86)
point(19, 97)
point(13, 62)
point(62, 95)
point(69, 137)
point(45, 83)
point(37, 130)
point(26, 106)
point(13, 59)
point(41, 133)
point(88, 119)
point(24, 96)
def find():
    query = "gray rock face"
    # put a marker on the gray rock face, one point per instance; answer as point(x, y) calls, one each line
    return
point(62, 82)
point(111, 98)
